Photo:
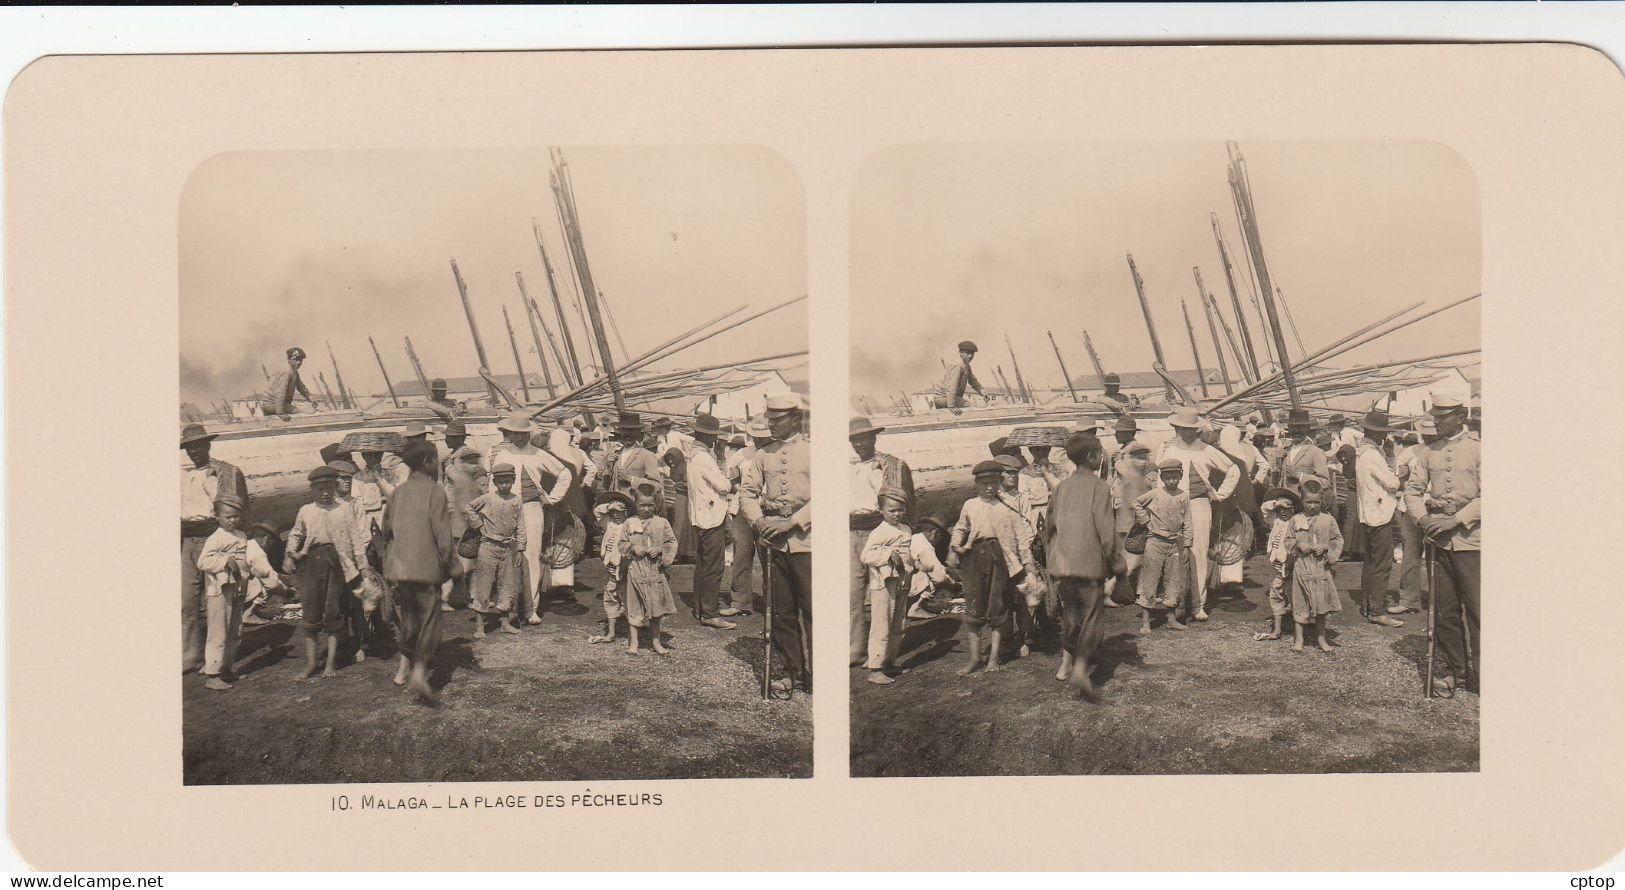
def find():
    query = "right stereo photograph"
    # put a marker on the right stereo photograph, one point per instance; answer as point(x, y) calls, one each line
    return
point(1165, 459)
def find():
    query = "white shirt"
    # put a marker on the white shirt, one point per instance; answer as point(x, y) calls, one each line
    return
point(1377, 484)
point(1202, 458)
point(198, 488)
point(708, 490)
point(867, 477)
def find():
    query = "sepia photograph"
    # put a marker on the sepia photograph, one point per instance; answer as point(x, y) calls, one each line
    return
point(1165, 459)
point(493, 466)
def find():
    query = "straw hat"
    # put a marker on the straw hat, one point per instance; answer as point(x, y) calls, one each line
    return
point(860, 427)
point(1185, 418)
point(194, 432)
point(517, 422)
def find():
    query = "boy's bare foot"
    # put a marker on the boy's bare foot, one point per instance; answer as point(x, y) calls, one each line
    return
point(1324, 645)
point(659, 647)
point(328, 673)
point(879, 678)
point(991, 667)
point(479, 630)
point(1297, 647)
point(400, 675)
point(968, 669)
point(507, 627)
point(1145, 629)
point(216, 684)
point(307, 673)
point(533, 619)
point(1112, 604)
point(1174, 623)
point(1066, 666)
point(1201, 615)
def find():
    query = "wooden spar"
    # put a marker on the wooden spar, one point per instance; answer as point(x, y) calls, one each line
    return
point(614, 326)
point(1016, 366)
point(1250, 361)
point(636, 362)
point(1255, 249)
point(524, 386)
point(1229, 335)
point(672, 375)
point(1281, 299)
point(499, 389)
point(1213, 329)
point(535, 312)
point(473, 329)
point(395, 400)
point(589, 293)
point(558, 305)
point(1196, 355)
point(1181, 393)
point(1062, 363)
point(1150, 326)
point(338, 377)
point(564, 196)
point(907, 404)
point(1094, 359)
point(417, 367)
point(679, 347)
point(328, 393)
point(1271, 382)
point(1005, 382)
point(536, 337)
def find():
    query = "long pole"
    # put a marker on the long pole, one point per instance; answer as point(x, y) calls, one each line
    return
point(1235, 300)
point(1291, 322)
point(1255, 248)
point(474, 329)
point(524, 385)
point(614, 326)
point(417, 367)
point(1196, 355)
point(1150, 326)
point(589, 293)
point(536, 338)
point(564, 196)
point(331, 402)
point(558, 305)
point(1062, 363)
point(535, 312)
point(338, 377)
point(392, 397)
point(1213, 329)
point(1094, 359)
point(1016, 366)
point(1005, 382)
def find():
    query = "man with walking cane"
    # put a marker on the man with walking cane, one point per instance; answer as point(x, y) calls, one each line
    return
point(775, 497)
point(1443, 496)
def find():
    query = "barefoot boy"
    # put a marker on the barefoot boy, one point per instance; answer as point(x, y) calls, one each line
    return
point(1163, 512)
point(325, 551)
point(611, 515)
point(885, 556)
point(995, 554)
point(502, 540)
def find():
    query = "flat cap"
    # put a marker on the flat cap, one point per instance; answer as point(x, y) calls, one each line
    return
point(987, 468)
point(1170, 463)
point(503, 468)
point(967, 346)
point(323, 473)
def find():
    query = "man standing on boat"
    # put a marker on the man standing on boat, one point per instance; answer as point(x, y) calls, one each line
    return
point(1114, 397)
point(439, 404)
point(278, 401)
point(950, 390)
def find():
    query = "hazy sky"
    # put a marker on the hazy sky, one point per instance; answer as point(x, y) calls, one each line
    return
point(284, 249)
point(954, 242)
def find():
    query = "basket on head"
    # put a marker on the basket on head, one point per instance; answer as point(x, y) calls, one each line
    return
point(1041, 436)
point(387, 441)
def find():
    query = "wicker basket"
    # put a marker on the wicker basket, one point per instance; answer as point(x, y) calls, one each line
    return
point(372, 440)
point(1052, 436)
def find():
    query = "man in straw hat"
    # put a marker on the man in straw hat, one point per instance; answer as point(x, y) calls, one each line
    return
point(776, 498)
point(544, 480)
point(1208, 475)
point(1443, 496)
point(203, 484)
point(1304, 465)
point(1377, 486)
point(950, 390)
point(636, 465)
point(872, 472)
point(708, 491)
point(278, 401)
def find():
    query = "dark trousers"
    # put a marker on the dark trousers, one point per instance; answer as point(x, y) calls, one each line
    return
point(708, 568)
point(1377, 567)
point(792, 612)
point(1455, 575)
point(1410, 568)
point(417, 615)
point(1082, 602)
point(741, 584)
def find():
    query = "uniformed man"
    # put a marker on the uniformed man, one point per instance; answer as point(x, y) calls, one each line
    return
point(776, 499)
point(872, 473)
point(1442, 495)
point(950, 390)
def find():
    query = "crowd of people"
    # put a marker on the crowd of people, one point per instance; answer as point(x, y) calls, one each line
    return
point(1049, 543)
point(397, 530)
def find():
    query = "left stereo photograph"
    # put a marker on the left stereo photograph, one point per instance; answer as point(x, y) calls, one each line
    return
point(493, 466)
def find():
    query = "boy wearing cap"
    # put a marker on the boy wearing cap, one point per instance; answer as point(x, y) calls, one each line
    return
point(950, 390)
point(327, 555)
point(1133, 474)
point(543, 482)
point(228, 561)
point(1080, 535)
point(203, 483)
point(502, 538)
point(994, 553)
point(1164, 511)
point(886, 558)
point(611, 512)
point(1200, 464)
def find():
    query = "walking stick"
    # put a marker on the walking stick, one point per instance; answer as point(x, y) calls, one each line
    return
point(767, 621)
